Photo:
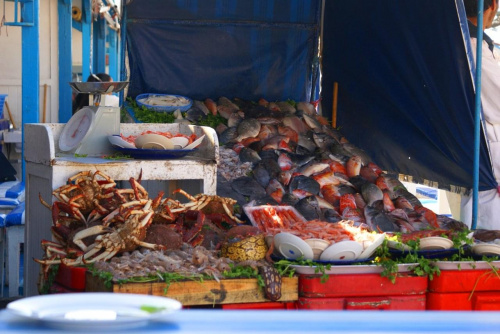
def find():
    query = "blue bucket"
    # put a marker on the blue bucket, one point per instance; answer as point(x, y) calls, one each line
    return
point(2, 100)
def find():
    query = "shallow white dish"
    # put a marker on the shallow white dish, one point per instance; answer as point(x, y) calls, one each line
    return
point(435, 243)
point(370, 250)
point(486, 249)
point(153, 141)
point(343, 250)
point(195, 143)
point(467, 265)
point(119, 141)
point(351, 269)
point(318, 246)
point(292, 247)
point(95, 311)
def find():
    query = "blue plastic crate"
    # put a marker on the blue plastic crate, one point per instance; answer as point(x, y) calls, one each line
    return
point(163, 108)
point(2, 100)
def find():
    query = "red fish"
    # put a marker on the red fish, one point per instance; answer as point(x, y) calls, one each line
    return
point(388, 204)
point(347, 201)
point(275, 190)
point(326, 178)
point(285, 177)
point(353, 214)
point(368, 174)
point(428, 215)
point(211, 106)
point(300, 193)
point(376, 169)
point(263, 102)
point(247, 141)
point(353, 166)
point(288, 132)
point(284, 162)
point(381, 183)
point(266, 131)
point(283, 145)
point(360, 201)
point(331, 193)
point(238, 147)
point(403, 203)
point(336, 166)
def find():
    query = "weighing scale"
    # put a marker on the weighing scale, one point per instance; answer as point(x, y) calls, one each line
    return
point(87, 131)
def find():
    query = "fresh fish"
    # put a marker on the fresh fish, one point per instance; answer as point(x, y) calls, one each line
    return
point(229, 135)
point(311, 122)
point(331, 216)
point(356, 215)
point(289, 199)
point(267, 131)
point(220, 128)
point(272, 167)
point(345, 189)
point(307, 108)
point(368, 174)
point(306, 142)
point(388, 204)
point(331, 194)
point(274, 106)
point(486, 235)
point(266, 200)
point(225, 111)
point(296, 124)
point(357, 182)
point(275, 190)
point(248, 141)
point(249, 127)
point(286, 107)
point(353, 166)
point(334, 133)
point(211, 106)
point(227, 102)
point(249, 155)
point(195, 114)
point(371, 193)
point(200, 105)
point(379, 221)
point(275, 142)
point(323, 141)
point(234, 119)
point(339, 151)
point(299, 160)
point(256, 146)
point(269, 154)
point(285, 162)
point(360, 201)
point(313, 167)
point(323, 204)
point(326, 177)
point(285, 177)
point(301, 182)
point(288, 132)
point(448, 223)
point(353, 150)
point(247, 186)
point(347, 201)
point(263, 102)
point(376, 169)
point(309, 208)
point(402, 203)
point(414, 201)
point(261, 175)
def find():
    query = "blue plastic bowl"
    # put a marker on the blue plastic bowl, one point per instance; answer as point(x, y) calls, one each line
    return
point(163, 108)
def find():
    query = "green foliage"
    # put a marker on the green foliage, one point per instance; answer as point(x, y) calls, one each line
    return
point(212, 120)
point(51, 276)
point(147, 115)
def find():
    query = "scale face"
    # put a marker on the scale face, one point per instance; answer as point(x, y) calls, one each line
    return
point(76, 129)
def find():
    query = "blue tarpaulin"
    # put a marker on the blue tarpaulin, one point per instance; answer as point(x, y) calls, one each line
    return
point(405, 82)
point(405, 91)
point(233, 48)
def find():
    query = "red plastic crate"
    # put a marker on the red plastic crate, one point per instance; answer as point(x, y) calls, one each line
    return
point(260, 306)
point(476, 301)
point(378, 303)
point(465, 281)
point(72, 278)
point(361, 285)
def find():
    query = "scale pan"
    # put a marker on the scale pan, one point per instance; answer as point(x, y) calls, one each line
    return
point(98, 87)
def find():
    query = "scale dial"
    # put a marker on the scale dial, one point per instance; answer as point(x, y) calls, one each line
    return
point(76, 129)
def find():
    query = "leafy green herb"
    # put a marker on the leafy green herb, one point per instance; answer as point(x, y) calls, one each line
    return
point(212, 121)
point(80, 155)
point(117, 156)
point(147, 115)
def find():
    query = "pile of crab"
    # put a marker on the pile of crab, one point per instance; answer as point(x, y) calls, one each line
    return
point(95, 220)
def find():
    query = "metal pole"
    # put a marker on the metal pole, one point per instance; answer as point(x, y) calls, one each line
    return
point(477, 118)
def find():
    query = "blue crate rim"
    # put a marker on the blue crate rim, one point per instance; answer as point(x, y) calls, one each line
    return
point(163, 108)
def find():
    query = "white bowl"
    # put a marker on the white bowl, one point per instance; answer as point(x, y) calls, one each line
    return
point(117, 140)
point(435, 243)
point(154, 142)
point(179, 142)
point(371, 247)
point(342, 251)
point(486, 249)
point(292, 247)
point(318, 246)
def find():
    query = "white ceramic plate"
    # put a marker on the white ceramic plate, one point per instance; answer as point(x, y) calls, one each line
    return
point(486, 249)
point(435, 243)
point(195, 143)
point(368, 251)
point(292, 247)
point(95, 311)
point(351, 269)
point(152, 141)
point(343, 250)
point(466, 265)
point(119, 141)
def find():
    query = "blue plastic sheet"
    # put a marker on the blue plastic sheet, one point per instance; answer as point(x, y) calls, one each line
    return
point(233, 48)
point(405, 87)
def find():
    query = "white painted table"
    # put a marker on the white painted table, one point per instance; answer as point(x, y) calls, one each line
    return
point(291, 322)
point(47, 170)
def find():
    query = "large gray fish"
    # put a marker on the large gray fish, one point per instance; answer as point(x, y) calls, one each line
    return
point(248, 128)
point(229, 135)
point(249, 155)
point(323, 141)
point(313, 167)
point(296, 124)
point(200, 105)
point(371, 193)
point(195, 115)
point(312, 122)
point(331, 216)
point(302, 186)
point(309, 208)
point(306, 141)
point(227, 102)
point(247, 186)
point(379, 221)
point(414, 201)
point(275, 190)
point(235, 118)
point(261, 175)
point(272, 167)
